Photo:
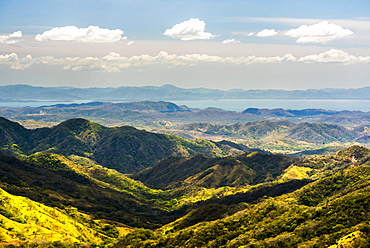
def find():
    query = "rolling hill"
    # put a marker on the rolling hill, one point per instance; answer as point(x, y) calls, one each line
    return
point(332, 211)
point(308, 132)
point(58, 181)
point(125, 148)
point(239, 170)
point(58, 189)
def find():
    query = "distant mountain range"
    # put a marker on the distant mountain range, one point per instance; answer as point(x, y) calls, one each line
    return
point(276, 130)
point(169, 93)
point(161, 113)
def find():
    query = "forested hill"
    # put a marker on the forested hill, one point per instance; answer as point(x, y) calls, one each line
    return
point(124, 148)
point(245, 169)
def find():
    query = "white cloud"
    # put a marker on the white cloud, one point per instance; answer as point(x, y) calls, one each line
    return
point(335, 56)
point(15, 62)
point(322, 32)
point(11, 38)
point(267, 33)
point(114, 62)
point(130, 43)
point(89, 34)
point(357, 23)
point(228, 41)
point(192, 29)
point(17, 34)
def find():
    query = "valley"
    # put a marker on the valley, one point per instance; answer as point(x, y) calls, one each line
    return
point(127, 187)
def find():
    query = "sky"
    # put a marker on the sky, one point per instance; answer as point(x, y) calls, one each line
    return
point(219, 44)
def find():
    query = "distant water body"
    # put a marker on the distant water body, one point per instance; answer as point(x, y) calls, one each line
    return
point(237, 104)
point(38, 103)
point(295, 104)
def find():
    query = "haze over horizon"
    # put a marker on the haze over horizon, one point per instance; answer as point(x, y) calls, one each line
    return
point(288, 45)
point(184, 87)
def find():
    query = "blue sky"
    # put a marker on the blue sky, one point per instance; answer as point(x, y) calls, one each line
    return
point(216, 44)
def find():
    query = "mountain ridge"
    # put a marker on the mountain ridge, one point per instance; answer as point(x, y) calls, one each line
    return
point(124, 148)
point(171, 92)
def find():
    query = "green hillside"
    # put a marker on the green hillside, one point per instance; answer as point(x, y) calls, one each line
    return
point(125, 148)
point(32, 224)
point(239, 170)
point(60, 182)
point(323, 133)
point(285, 137)
point(338, 215)
point(251, 130)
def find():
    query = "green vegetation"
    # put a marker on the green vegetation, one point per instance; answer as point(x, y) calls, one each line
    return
point(125, 148)
point(59, 188)
point(239, 170)
point(59, 182)
point(277, 130)
point(28, 223)
point(341, 217)
point(282, 136)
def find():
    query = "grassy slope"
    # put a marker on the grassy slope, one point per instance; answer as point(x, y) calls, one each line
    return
point(23, 220)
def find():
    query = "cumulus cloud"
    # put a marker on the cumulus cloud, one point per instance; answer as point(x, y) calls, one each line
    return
point(322, 32)
point(11, 38)
point(192, 29)
point(73, 33)
point(15, 62)
point(228, 41)
point(114, 62)
point(130, 43)
point(267, 33)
